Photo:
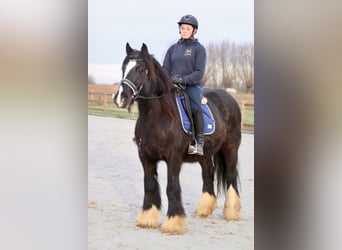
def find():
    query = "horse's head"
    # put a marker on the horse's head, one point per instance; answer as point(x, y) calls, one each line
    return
point(139, 77)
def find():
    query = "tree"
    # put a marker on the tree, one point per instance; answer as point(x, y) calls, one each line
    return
point(230, 65)
point(246, 66)
point(211, 73)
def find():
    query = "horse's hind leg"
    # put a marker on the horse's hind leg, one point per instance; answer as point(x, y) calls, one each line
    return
point(232, 203)
point(207, 203)
point(150, 215)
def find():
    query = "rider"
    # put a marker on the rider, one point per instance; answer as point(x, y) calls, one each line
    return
point(185, 62)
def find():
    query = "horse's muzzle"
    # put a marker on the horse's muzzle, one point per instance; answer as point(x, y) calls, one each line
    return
point(119, 100)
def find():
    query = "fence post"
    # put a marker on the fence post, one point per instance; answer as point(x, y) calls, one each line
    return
point(243, 110)
point(105, 102)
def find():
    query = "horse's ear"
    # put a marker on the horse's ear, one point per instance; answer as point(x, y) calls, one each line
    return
point(129, 50)
point(148, 60)
point(144, 50)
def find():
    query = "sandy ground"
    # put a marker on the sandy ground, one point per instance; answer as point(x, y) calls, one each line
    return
point(115, 195)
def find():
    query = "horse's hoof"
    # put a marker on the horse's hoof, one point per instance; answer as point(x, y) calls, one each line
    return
point(232, 205)
point(206, 205)
point(148, 218)
point(174, 225)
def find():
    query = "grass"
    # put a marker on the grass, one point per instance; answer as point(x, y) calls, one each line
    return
point(112, 111)
point(248, 117)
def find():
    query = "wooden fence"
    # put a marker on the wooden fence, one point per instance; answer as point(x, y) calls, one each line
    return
point(247, 116)
point(103, 102)
point(104, 99)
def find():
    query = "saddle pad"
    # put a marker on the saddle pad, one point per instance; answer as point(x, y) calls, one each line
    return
point(209, 122)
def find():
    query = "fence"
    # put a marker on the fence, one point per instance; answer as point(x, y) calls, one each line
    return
point(102, 103)
point(247, 116)
point(104, 99)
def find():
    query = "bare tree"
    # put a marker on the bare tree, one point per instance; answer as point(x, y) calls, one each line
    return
point(224, 52)
point(211, 73)
point(230, 65)
point(246, 66)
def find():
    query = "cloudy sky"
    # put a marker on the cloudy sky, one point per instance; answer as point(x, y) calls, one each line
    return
point(113, 23)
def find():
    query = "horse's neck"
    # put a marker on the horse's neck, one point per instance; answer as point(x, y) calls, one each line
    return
point(147, 106)
point(150, 108)
point(163, 108)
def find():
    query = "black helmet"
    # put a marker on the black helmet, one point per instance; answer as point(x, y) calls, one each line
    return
point(189, 19)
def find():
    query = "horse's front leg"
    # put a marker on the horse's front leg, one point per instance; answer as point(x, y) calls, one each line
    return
point(150, 214)
point(175, 222)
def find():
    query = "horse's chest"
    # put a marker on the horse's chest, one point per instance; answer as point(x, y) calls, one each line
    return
point(151, 133)
point(152, 144)
point(154, 140)
point(150, 148)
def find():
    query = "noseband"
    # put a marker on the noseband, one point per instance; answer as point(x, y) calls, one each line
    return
point(136, 91)
point(132, 86)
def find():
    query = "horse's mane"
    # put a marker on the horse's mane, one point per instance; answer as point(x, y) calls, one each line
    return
point(161, 75)
point(162, 84)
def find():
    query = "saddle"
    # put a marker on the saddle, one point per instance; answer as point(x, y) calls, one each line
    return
point(183, 105)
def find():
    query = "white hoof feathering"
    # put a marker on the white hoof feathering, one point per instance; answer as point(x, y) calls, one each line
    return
point(206, 205)
point(174, 225)
point(148, 218)
point(232, 205)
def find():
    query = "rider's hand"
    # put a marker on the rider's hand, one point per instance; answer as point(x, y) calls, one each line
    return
point(178, 81)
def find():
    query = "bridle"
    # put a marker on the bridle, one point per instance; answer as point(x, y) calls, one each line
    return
point(136, 90)
point(131, 85)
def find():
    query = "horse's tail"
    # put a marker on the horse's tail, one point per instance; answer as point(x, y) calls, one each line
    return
point(225, 174)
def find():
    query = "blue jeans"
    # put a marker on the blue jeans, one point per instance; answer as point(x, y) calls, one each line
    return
point(195, 93)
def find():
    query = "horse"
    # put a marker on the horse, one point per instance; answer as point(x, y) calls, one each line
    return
point(159, 137)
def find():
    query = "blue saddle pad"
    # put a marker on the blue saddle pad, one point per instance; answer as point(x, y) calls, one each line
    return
point(209, 122)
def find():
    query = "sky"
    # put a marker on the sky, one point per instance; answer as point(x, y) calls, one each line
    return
point(111, 24)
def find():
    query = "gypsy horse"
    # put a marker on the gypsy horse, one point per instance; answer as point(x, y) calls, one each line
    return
point(159, 137)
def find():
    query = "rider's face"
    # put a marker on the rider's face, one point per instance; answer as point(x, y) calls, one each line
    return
point(186, 31)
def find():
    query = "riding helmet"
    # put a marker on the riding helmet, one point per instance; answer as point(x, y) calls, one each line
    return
point(189, 19)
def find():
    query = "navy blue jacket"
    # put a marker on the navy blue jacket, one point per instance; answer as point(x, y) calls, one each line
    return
point(186, 58)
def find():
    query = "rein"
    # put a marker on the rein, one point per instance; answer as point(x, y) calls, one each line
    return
point(136, 91)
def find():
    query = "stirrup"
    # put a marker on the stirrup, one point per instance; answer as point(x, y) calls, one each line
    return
point(192, 149)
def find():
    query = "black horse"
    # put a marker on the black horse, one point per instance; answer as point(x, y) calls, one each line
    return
point(159, 137)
